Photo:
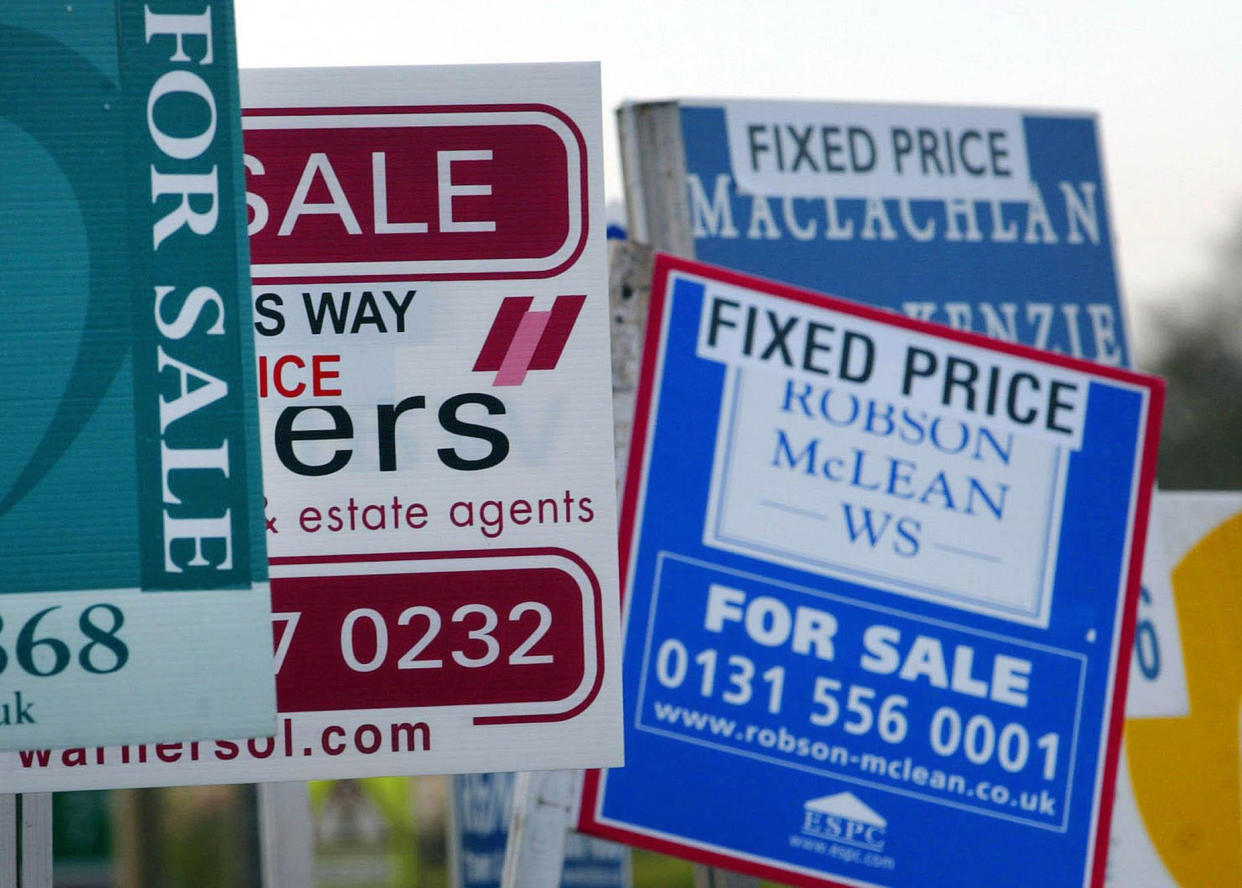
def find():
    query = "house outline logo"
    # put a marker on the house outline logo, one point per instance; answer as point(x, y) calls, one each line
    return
point(843, 817)
point(521, 340)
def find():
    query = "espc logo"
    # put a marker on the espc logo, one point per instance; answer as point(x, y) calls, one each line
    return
point(843, 817)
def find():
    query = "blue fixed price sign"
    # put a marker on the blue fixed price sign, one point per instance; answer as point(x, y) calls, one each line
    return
point(995, 220)
point(877, 576)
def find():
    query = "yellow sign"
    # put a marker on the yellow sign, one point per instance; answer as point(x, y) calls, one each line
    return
point(1185, 771)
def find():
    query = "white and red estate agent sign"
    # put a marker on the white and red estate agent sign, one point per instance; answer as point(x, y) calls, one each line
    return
point(435, 404)
point(878, 575)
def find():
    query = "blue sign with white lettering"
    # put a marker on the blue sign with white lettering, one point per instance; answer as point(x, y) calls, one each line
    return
point(985, 219)
point(878, 573)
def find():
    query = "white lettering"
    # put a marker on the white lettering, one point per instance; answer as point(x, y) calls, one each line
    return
point(1080, 211)
point(761, 222)
point(802, 233)
point(1037, 220)
point(186, 83)
point(1104, 329)
point(198, 530)
point(714, 218)
point(180, 26)
point(197, 458)
point(338, 206)
point(963, 210)
point(449, 190)
point(876, 219)
point(379, 183)
point(185, 185)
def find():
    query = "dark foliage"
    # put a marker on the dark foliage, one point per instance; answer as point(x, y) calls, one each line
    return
point(1199, 352)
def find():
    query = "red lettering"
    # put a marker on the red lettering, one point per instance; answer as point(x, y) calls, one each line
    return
point(286, 375)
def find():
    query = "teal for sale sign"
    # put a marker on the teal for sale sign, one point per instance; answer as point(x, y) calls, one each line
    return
point(133, 598)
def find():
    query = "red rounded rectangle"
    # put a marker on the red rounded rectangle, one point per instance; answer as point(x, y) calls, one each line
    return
point(513, 631)
point(363, 194)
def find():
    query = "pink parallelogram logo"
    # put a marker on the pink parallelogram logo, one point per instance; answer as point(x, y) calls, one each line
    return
point(522, 340)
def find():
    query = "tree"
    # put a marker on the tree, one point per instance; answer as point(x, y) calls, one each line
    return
point(1198, 349)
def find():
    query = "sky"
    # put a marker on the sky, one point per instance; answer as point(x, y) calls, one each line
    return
point(1163, 77)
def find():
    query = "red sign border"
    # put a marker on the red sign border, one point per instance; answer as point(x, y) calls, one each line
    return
point(665, 265)
point(595, 593)
point(584, 196)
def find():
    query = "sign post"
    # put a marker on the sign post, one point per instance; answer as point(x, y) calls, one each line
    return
point(8, 840)
point(878, 576)
point(481, 841)
point(286, 835)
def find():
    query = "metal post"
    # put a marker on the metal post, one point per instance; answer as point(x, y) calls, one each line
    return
point(286, 835)
point(35, 810)
point(8, 840)
point(543, 802)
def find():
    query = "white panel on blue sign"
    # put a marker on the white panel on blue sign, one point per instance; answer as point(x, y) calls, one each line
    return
point(878, 575)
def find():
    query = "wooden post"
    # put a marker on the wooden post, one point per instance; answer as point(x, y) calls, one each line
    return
point(653, 159)
point(629, 293)
point(658, 212)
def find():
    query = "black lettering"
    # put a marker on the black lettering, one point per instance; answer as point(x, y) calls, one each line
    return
point(927, 151)
point(1011, 402)
point(803, 153)
point(326, 310)
point(832, 148)
point(855, 133)
point(386, 417)
point(965, 380)
point(451, 423)
point(993, 388)
point(368, 313)
point(848, 342)
point(268, 305)
point(813, 345)
point(996, 143)
point(717, 321)
point(400, 307)
point(968, 136)
point(755, 148)
point(286, 436)
point(926, 359)
point(1055, 405)
point(748, 340)
point(779, 332)
point(902, 145)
